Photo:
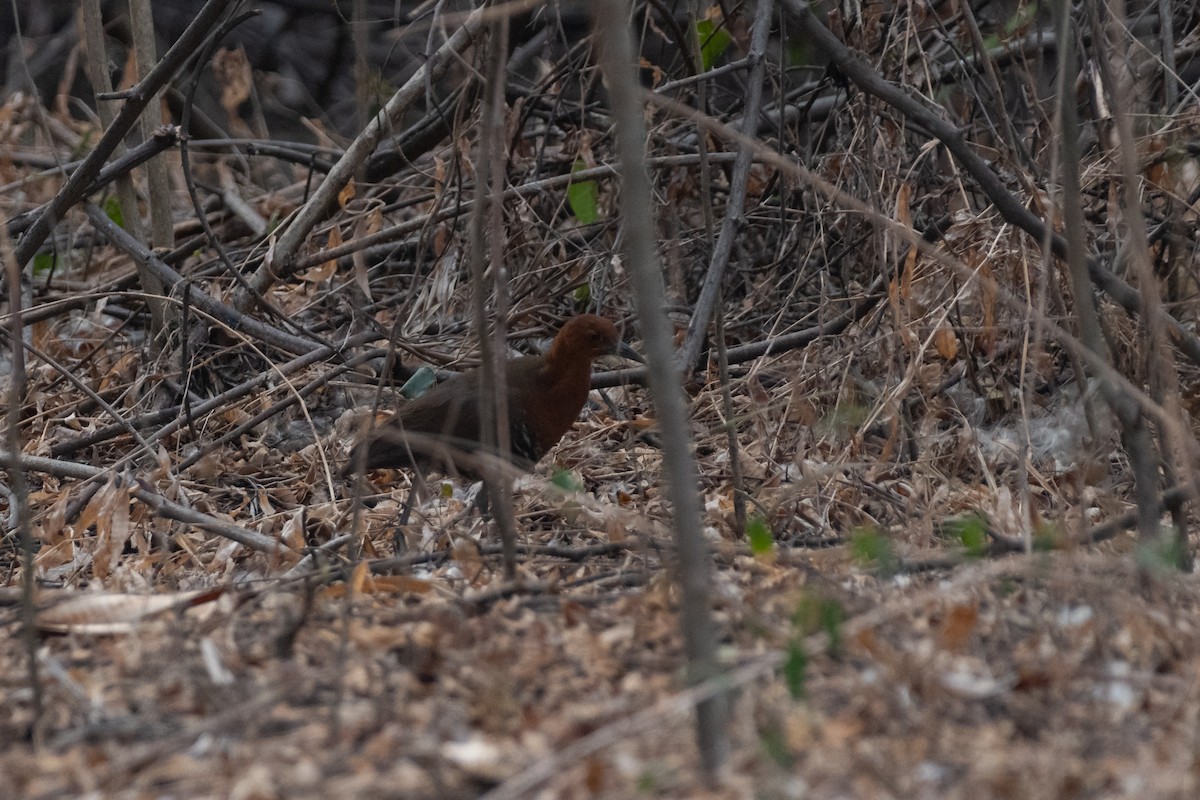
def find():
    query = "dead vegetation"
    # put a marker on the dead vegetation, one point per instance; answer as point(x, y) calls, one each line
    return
point(937, 594)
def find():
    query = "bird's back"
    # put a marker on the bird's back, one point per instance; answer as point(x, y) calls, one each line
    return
point(442, 426)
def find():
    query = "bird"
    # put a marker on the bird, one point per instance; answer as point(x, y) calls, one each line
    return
point(441, 429)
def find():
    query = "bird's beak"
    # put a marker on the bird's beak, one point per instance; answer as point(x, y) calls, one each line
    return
point(625, 351)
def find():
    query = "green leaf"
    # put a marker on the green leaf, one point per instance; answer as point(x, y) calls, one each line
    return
point(971, 532)
point(1023, 17)
point(647, 782)
point(419, 383)
point(795, 667)
point(759, 535)
point(583, 295)
point(83, 147)
point(774, 744)
point(566, 480)
point(831, 622)
point(584, 197)
point(112, 209)
point(43, 263)
point(817, 613)
point(1046, 538)
point(872, 548)
point(1161, 554)
point(844, 418)
point(797, 54)
point(714, 41)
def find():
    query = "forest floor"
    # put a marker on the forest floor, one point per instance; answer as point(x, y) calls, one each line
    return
point(907, 670)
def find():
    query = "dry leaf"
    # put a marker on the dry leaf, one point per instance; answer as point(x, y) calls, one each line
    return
point(359, 258)
point(328, 268)
point(362, 574)
point(958, 626)
point(946, 342)
point(234, 75)
point(396, 584)
point(110, 613)
point(293, 531)
point(346, 194)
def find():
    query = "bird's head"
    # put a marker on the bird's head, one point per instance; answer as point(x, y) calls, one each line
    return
point(588, 336)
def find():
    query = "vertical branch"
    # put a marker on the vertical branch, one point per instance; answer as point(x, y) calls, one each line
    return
point(489, 245)
point(131, 215)
point(695, 13)
point(732, 220)
point(1166, 39)
point(1161, 373)
point(16, 472)
point(1072, 211)
point(97, 69)
point(162, 230)
point(637, 221)
point(735, 459)
point(1133, 428)
point(363, 85)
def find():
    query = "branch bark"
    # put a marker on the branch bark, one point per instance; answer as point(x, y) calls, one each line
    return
point(637, 221)
point(732, 220)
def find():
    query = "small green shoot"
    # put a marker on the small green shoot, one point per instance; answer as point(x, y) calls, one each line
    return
point(795, 670)
point(971, 532)
point(582, 295)
point(759, 535)
point(797, 54)
point(843, 419)
point(584, 197)
point(1161, 554)
point(714, 41)
point(112, 209)
point(649, 781)
point(816, 613)
point(1021, 19)
point(1046, 538)
point(872, 548)
point(566, 480)
point(774, 744)
point(43, 263)
point(83, 147)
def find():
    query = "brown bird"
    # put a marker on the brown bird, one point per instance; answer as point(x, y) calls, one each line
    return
point(441, 428)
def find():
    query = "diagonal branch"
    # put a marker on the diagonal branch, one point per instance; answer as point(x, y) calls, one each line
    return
point(161, 505)
point(281, 261)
